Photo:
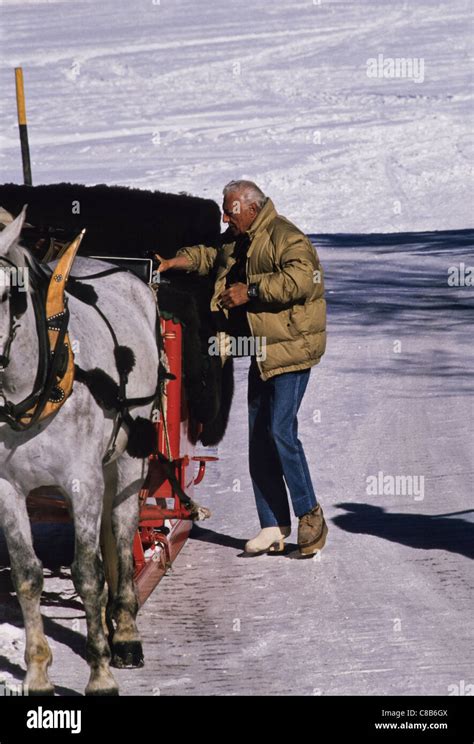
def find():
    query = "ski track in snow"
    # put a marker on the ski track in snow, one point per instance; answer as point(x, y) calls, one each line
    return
point(184, 96)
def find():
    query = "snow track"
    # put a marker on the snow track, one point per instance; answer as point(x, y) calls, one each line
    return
point(184, 96)
point(386, 608)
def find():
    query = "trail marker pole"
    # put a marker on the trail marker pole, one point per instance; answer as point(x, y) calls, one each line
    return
point(25, 150)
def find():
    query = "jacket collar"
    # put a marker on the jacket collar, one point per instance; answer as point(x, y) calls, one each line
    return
point(261, 221)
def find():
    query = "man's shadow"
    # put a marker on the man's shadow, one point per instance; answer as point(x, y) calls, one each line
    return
point(421, 531)
point(203, 534)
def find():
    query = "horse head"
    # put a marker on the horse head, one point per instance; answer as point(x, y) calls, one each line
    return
point(14, 285)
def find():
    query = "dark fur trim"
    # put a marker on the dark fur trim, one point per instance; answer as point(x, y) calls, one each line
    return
point(120, 221)
point(124, 359)
point(201, 372)
point(214, 430)
point(102, 387)
point(141, 437)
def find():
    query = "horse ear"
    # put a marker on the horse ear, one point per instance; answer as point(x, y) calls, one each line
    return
point(11, 232)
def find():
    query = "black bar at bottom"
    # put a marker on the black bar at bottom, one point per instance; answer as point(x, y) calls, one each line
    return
point(311, 719)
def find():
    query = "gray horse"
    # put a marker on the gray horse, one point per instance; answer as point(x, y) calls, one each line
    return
point(66, 451)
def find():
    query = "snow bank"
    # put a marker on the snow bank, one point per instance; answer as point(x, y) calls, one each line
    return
point(186, 95)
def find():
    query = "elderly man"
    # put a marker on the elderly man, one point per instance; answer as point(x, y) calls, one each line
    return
point(269, 287)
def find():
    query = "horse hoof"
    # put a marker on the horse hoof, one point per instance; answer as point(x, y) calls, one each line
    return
point(110, 692)
point(45, 692)
point(127, 655)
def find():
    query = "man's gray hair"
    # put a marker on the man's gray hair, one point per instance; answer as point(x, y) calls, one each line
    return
point(248, 192)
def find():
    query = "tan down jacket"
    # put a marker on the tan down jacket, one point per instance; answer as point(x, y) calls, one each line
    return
point(289, 315)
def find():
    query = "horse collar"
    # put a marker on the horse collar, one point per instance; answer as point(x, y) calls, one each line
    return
point(56, 359)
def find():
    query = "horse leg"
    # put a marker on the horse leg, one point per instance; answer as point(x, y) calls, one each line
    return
point(126, 644)
point(108, 545)
point(88, 576)
point(27, 575)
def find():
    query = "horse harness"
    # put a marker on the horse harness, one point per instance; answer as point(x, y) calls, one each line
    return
point(56, 369)
point(55, 374)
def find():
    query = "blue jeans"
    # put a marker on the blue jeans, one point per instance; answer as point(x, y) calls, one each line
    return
point(275, 453)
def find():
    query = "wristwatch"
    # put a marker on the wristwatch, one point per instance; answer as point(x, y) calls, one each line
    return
point(252, 291)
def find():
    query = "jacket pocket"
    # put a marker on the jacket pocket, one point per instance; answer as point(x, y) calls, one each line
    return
point(298, 321)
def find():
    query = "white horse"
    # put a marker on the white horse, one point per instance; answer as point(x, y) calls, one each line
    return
point(66, 451)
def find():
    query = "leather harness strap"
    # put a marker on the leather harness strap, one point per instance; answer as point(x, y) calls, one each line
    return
point(55, 374)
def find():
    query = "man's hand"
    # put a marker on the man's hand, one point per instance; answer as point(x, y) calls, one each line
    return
point(235, 295)
point(179, 262)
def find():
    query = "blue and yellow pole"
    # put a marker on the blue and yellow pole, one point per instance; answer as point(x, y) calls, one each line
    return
point(25, 150)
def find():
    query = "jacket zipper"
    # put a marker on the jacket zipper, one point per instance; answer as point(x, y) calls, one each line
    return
point(247, 313)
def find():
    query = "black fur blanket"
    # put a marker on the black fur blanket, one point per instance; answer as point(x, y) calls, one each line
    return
point(119, 221)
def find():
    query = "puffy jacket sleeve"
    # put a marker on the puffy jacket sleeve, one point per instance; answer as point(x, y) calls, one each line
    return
point(202, 258)
point(295, 279)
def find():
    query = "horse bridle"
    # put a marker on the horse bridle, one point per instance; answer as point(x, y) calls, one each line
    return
point(23, 415)
point(15, 312)
point(11, 413)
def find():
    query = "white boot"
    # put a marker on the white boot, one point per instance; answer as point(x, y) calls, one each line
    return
point(269, 539)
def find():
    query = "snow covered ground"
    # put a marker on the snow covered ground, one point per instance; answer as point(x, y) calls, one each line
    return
point(387, 608)
point(184, 95)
